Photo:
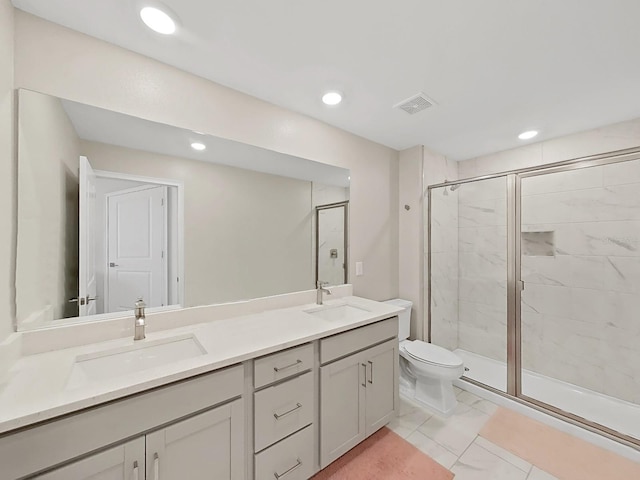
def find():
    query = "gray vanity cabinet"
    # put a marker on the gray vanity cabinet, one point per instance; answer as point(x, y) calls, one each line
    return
point(342, 407)
point(358, 393)
point(124, 462)
point(382, 365)
point(208, 445)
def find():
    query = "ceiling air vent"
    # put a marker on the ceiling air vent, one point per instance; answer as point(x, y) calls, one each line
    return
point(415, 104)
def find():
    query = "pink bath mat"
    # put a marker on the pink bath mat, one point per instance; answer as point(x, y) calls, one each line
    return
point(558, 453)
point(384, 456)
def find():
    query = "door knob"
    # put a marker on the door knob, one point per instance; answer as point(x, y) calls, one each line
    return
point(111, 264)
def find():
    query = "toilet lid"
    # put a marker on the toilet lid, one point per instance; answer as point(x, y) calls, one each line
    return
point(430, 353)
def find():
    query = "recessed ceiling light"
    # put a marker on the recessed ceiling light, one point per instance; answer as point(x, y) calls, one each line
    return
point(198, 146)
point(332, 98)
point(528, 135)
point(157, 20)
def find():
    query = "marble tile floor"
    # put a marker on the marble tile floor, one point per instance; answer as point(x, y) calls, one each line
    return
point(454, 442)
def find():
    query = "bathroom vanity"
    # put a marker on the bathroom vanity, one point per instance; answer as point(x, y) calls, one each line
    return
point(272, 395)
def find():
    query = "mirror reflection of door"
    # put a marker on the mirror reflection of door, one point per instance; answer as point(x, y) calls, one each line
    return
point(331, 243)
point(136, 243)
point(87, 283)
point(128, 242)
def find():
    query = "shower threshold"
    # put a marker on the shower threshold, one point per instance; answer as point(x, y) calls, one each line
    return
point(610, 412)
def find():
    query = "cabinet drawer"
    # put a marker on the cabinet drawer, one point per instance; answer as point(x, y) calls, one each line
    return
point(281, 365)
point(282, 410)
point(343, 344)
point(291, 459)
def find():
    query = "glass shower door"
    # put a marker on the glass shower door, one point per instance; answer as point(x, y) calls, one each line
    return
point(468, 281)
point(580, 268)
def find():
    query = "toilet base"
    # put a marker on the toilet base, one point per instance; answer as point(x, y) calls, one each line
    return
point(436, 394)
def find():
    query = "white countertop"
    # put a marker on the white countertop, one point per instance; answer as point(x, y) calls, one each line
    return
point(37, 388)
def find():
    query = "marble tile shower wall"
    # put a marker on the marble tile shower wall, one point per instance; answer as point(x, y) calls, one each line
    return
point(580, 321)
point(444, 267)
point(482, 268)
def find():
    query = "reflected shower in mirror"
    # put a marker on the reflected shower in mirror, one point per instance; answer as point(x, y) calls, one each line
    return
point(113, 207)
point(332, 242)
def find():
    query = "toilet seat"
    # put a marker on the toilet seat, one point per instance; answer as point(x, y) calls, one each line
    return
point(432, 354)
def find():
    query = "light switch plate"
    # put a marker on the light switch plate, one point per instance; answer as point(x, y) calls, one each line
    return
point(359, 269)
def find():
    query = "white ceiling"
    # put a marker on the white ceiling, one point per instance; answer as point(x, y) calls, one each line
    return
point(104, 126)
point(495, 67)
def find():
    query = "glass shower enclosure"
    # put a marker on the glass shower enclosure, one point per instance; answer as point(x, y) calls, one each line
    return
point(534, 281)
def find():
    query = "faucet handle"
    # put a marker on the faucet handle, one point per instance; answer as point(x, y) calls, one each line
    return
point(139, 308)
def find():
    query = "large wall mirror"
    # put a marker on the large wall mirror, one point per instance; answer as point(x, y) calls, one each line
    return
point(113, 207)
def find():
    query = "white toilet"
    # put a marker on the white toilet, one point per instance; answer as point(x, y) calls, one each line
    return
point(427, 371)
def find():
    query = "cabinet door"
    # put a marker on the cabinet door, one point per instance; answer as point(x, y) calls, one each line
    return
point(382, 369)
point(124, 462)
point(208, 446)
point(342, 402)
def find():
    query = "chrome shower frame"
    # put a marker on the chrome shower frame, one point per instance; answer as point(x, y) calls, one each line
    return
point(514, 283)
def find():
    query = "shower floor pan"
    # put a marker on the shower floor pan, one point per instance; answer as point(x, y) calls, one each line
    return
point(618, 415)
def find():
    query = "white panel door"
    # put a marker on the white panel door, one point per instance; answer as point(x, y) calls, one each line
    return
point(205, 447)
point(124, 462)
point(137, 239)
point(87, 240)
point(382, 363)
point(342, 403)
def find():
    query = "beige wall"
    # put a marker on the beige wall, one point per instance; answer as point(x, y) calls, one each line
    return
point(247, 234)
point(47, 246)
point(606, 139)
point(410, 233)
point(7, 171)
point(64, 63)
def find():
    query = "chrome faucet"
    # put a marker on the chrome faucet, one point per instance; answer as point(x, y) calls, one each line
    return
point(322, 290)
point(140, 320)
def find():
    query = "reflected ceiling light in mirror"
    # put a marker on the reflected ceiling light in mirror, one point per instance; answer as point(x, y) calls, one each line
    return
point(198, 146)
point(332, 98)
point(528, 135)
point(158, 20)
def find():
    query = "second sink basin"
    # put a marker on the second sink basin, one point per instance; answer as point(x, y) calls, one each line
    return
point(339, 311)
point(107, 364)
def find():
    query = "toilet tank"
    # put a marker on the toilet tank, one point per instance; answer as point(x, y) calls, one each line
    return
point(404, 317)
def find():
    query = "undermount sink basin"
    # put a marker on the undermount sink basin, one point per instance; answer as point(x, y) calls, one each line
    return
point(107, 364)
point(338, 312)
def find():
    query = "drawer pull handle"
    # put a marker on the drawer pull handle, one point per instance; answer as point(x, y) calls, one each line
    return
point(136, 471)
point(286, 367)
point(278, 417)
point(371, 365)
point(297, 465)
point(364, 382)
